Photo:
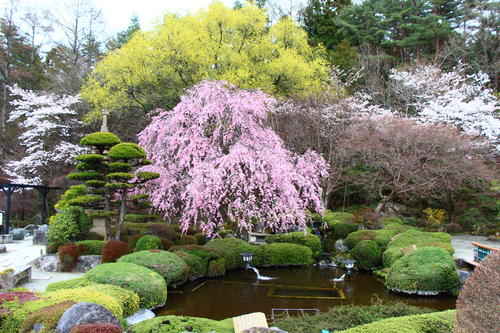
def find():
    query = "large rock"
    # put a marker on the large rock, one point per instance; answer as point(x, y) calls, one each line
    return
point(48, 263)
point(17, 234)
point(86, 263)
point(85, 313)
point(3, 248)
point(40, 235)
point(340, 246)
point(463, 275)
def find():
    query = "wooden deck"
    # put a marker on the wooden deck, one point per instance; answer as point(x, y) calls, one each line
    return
point(244, 322)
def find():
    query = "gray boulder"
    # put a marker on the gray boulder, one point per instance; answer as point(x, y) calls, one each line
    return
point(40, 235)
point(17, 234)
point(340, 246)
point(3, 248)
point(463, 275)
point(48, 263)
point(85, 313)
point(86, 263)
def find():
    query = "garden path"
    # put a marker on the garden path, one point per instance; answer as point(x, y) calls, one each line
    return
point(23, 252)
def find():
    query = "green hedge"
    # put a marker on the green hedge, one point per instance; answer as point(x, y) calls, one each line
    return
point(216, 267)
point(230, 249)
point(311, 241)
point(173, 269)
point(197, 266)
point(149, 285)
point(367, 254)
point(418, 238)
point(336, 217)
point(341, 317)
point(148, 242)
point(92, 247)
point(340, 230)
point(437, 322)
point(283, 254)
point(427, 269)
point(176, 324)
point(382, 237)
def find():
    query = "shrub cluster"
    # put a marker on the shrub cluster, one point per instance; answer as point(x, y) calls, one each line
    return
point(367, 254)
point(91, 247)
point(68, 256)
point(113, 250)
point(67, 226)
point(170, 266)
point(427, 269)
point(197, 266)
point(230, 249)
point(283, 254)
point(48, 316)
point(149, 285)
point(346, 316)
point(311, 241)
point(69, 284)
point(437, 322)
point(148, 242)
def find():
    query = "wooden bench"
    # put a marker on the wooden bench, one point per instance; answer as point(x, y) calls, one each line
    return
point(244, 322)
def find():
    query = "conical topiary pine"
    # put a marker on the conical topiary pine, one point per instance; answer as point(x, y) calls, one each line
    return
point(93, 170)
point(126, 159)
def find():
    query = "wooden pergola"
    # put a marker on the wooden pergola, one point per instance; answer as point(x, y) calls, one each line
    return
point(9, 189)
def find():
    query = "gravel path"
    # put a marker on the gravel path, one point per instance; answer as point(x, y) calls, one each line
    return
point(464, 248)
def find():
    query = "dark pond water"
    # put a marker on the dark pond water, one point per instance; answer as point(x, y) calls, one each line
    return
point(240, 292)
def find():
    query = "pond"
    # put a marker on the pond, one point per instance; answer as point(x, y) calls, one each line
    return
point(240, 292)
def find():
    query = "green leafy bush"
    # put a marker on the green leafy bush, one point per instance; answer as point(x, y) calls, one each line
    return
point(69, 284)
point(85, 175)
point(100, 139)
point(197, 266)
point(311, 241)
point(176, 324)
point(367, 254)
point(119, 167)
point(71, 193)
point(201, 251)
point(69, 225)
point(358, 236)
point(230, 249)
point(340, 230)
point(91, 247)
point(216, 267)
point(48, 316)
point(427, 269)
point(113, 250)
point(346, 316)
point(332, 218)
point(173, 269)
point(129, 300)
point(142, 218)
point(437, 322)
point(391, 220)
point(185, 240)
point(148, 242)
point(201, 239)
point(149, 285)
point(283, 254)
point(164, 230)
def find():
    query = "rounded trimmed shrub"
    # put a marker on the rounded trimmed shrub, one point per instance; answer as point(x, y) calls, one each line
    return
point(126, 151)
point(69, 284)
point(163, 230)
point(148, 242)
point(176, 324)
point(197, 266)
point(358, 236)
point(48, 316)
point(341, 230)
point(68, 256)
point(100, 139)
point(113, 250)
point(477, 305)
point(185, 240)
point(128, 299)
point(283, 254)
point(332, 218)
point(149, 285)
point(173, 269)
point(367, 254)
point(391, 220)
point(87, 294)
point(311, 241)
point(96, 328)
point(427, 269)
point(230, 249)
point(91, 247)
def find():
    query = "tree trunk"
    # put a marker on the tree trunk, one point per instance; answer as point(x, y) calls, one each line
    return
point(383, 202)
point(121, 217)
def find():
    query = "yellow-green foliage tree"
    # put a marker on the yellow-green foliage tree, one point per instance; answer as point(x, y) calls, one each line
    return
point(237, 45)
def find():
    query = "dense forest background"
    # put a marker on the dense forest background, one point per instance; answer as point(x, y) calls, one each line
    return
point(67, 51)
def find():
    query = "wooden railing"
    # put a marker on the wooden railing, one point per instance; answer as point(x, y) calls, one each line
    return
point(481, 251)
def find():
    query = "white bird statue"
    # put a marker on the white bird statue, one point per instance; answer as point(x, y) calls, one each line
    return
point(339, 279)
